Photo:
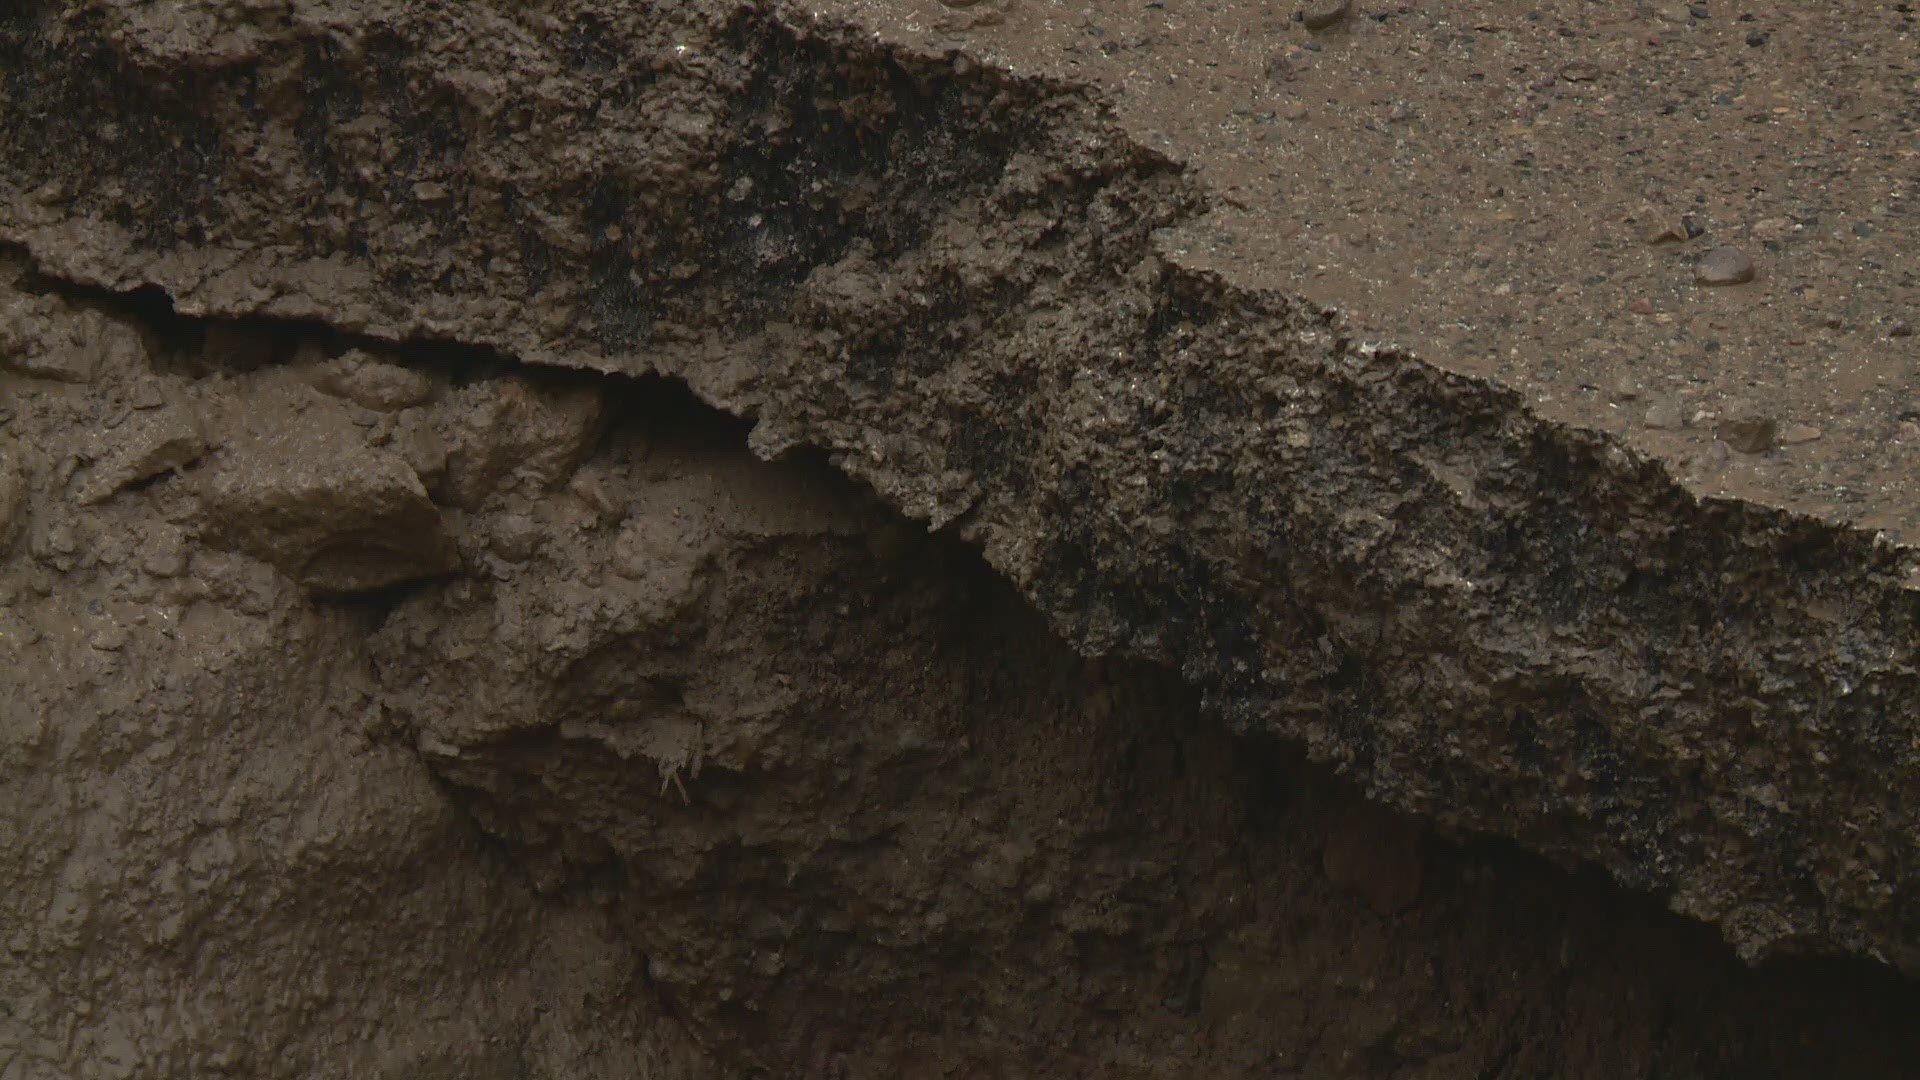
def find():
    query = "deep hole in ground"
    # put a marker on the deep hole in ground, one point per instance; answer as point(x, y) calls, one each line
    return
point(836, 798)
point(973, 289)
point(444, 714)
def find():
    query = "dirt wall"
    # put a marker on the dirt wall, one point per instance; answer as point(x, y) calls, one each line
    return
point(415, 669)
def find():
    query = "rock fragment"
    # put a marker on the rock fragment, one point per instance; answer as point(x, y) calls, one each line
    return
point(1723, 266)
point(375, 384)
point(422, 446)
point(1325, 14)
point(1746, 428)
point(1796, 434)
point(42, 337)
point(147, 444)
point(327, 510)
point(147, 394)
point(1665, 414)
point(1674, 230)
point(514, 429)
point(514, 537)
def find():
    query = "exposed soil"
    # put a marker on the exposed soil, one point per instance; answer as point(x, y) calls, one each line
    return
point(705, 541)
point(698, 752)
point(1523, 191)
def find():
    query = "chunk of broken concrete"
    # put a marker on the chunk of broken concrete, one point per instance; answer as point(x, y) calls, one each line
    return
point(325, 509)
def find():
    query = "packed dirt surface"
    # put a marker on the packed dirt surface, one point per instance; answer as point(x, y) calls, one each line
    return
point(604, 540)
point(1527, 192)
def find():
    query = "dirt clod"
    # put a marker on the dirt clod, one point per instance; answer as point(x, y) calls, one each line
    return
point(1747, 428)
point(1666, 413)
point(514, 431)
point(376, 384)
point(146, 444)
point(36, 343)
point(312, 499)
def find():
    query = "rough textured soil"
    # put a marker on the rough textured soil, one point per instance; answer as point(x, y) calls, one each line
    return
point(1524, 192)
point(611, 540)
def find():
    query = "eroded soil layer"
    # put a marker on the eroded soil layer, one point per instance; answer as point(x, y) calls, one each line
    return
point(945, 279)
point(401, 711)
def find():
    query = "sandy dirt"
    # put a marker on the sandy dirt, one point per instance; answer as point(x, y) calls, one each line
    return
point(1524, 192)
point(608, 541)
point(698, 765)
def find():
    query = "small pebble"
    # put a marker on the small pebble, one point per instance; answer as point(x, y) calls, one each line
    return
point(1723, 266)
point(1795, 434)
point(1325, 13)
point(1674, 230)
